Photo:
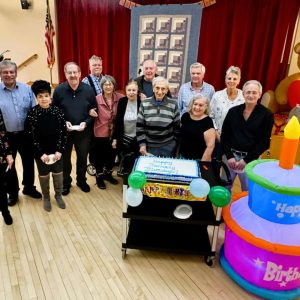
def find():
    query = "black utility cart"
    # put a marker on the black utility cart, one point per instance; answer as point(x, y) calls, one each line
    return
point(152, 225)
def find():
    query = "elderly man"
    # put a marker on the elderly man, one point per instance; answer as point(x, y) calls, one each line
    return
point(145, 81)
point(194, 87)
point(95, 65)
point(16, 99)
point(158, 122)
point(76, 99)
point(246, 132)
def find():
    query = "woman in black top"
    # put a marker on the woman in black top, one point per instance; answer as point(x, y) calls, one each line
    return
point(197, 133)
point(6, 161)
point(124, 134)
point(46, 125)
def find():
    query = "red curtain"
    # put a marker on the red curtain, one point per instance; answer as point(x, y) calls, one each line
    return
point(250, 34)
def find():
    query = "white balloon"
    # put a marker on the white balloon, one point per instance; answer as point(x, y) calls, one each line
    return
point(134, 197)
point(199, 188)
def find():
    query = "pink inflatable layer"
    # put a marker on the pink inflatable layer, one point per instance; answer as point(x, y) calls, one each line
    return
point(260, 267)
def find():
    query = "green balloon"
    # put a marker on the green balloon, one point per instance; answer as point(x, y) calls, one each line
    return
point(137, 179)
point(219, 196)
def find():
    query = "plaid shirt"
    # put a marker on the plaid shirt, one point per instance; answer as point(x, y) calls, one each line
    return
point(96, 80)
point(186, 93)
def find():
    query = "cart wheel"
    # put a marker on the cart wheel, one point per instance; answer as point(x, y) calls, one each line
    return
point(91, 170)
point(123, 253)
point(210, 260)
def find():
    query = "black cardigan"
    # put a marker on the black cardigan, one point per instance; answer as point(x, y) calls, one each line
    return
point(119, 121)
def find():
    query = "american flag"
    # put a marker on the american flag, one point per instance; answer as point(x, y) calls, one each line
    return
point(49, 33)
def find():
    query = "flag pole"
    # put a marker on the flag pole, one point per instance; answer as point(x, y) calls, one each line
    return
point(50, 69)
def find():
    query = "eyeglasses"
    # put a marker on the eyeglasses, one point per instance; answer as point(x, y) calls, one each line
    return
point(72, 72)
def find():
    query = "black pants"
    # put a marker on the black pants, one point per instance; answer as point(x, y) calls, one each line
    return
point(128, 154)
point(105, 155)
point(3, 188)
point(19, 143)
point(81, 141)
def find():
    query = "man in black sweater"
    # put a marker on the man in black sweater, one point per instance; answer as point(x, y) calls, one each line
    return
point(145, 81)
point(76, 99)
point(246, 132)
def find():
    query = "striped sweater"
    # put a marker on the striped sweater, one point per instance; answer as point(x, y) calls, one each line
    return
point(158, 123)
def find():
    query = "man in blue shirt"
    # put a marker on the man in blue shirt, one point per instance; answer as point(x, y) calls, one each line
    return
point(16, 99)
point(194, 87)
point(95, 64)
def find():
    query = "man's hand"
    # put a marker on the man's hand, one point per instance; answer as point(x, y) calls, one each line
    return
point(82, 126)
point(10, 160)
point(240, 165)
point(93, 113)
point(143, 150)
point(69, 126)
point(232, 163)
point(114, 144)
point(143, 96)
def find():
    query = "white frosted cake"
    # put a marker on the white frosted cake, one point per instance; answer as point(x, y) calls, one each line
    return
point(168, 169)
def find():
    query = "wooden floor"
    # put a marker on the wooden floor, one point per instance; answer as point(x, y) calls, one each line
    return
point(76, 254)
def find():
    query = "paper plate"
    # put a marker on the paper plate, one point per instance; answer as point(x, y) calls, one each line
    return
point(183, 211)
point(51, 159)
point(75, 127)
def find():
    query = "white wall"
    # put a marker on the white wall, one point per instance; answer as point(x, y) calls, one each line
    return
point(23, 33)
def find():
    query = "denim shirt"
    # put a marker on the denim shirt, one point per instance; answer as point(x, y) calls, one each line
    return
point(15, 104)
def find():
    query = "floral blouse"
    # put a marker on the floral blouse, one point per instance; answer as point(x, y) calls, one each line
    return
point(4, 146)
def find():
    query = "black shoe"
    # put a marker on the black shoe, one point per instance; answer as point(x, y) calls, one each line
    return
point(7, 218)
point(65, 191)
point(109, 178)
point(100, 182)
point(33, 193)
point(12, 200)
point(84, 187)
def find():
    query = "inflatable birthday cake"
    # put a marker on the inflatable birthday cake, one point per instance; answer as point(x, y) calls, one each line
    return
point(168, 169)
point(261, 250)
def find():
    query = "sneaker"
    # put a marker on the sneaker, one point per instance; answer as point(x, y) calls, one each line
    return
point(7, 218)
point(100, 182)
point(65, 191)
point(33, 193)
point(109, 178)
point(84, 187)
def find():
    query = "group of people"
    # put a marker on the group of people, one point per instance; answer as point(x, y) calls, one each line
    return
point(91, 116)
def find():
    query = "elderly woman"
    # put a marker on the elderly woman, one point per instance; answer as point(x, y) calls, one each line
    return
point(6, 162)
point(158, 123)
point(223, 100)
point(107, 103)
point(197, 133)
point(229, 97)
point(124, 134)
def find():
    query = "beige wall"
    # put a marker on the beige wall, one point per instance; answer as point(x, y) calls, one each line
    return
point(22, 32)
